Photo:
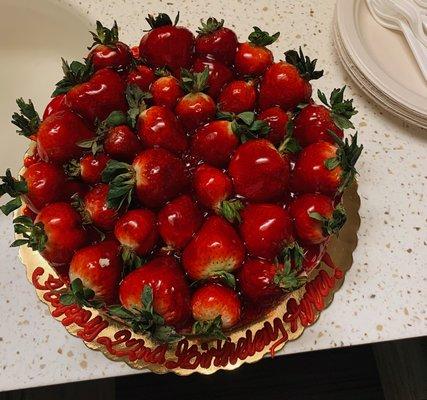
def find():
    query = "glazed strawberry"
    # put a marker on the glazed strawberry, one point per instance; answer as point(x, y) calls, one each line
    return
point(95, 273)
point(156, 176)
point(55, 105)
point(170, 294)
point(219, 75)
point(314, 122)
point(107, 50)
point(216, 42)
point(277, 120)
point(237, 96)
point(259, 171)
point(89, 168)
point(215, 307)
point(315, 218)
point(325, 167)
point(137, 232)
point(141, 76)
point(179, 220)
point(214, 189)
point(266, 229)
point(39, 185)
point(215, 249)
point(167, 45)
point(286, 84)
point(196, 108)
point(253, 57)
point(56, 233)
point(166, 91)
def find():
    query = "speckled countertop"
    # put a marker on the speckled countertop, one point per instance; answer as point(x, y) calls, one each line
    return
point(384, 295)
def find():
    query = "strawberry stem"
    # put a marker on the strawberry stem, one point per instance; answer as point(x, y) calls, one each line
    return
point(230, 210)
point(210, 26)
point(14, 188)
point(288, 279)
point(78, 294)
point(131, 260)
point(194, 82)
point(305, 66)
point(262, 38)
point(74, 74)
point(289, 144)
point(245, 125)
point(211, 329)
point(161, 20)
point(105, 36)
point(27, 119)
point(136, 100)
point(33, 235)
point(331, 225)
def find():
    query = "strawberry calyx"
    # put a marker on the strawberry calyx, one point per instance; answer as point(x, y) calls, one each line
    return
point(341, 110)
point(131, 260)
point(194, 82)
point(162, 72)
point(210, 26)
point(27, 119)
point(292, 255)
point(262, 38)
point(80, 295)
point(72, 168)
point(226, 277)
point(230, 210)
point(105, 36)
point(287, 279)
point(210, 329)
point(305, 66)
point(145, 319)
point(136, 100)
point(74, 74)
point(14, 188)
point(289, 143)
point(245, 125)
point(78, 204)
point(161, 19)
point(331, 225)
point(33, 235)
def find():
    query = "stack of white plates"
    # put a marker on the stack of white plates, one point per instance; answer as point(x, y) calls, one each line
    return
point(380, 61)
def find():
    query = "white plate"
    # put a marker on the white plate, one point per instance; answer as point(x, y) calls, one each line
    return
point(380, 61)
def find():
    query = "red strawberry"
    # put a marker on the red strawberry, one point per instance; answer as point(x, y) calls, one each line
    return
point(39, 185)
point(315, 218)
point(259, 171)
point(286, 84)
point(56, 233)
point(55, 105)
point(167, 45)
point(31, 158)
point(216, 42)
point(215, 249)
point(166, 91)
point(142, 76)
point(149, 175)
point(219, 75)
point(266, 229)
point(121, 143)
point(314, 122)
point(215, 307)
point(107, 50)
point(169, 291)
point(325, 167)
point(195, 108)
point(89, 168)
point(179, 220)
point(72, 189)
point(277, 120)
point(237, 96)
point(98, 268)
point(253, 57)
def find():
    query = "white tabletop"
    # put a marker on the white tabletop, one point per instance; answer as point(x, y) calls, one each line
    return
point(384, 294)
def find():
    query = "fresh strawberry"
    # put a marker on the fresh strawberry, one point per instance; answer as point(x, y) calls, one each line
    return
point(253, 57)
point(325, 167)
point(39, 185)
point(107, 50)
point(121, 143)
point(314, 122)
point(266, 229)
point(259, 171)
point(72, 189)
point(55, 105)
point(31, 157)
point(56, 233)
point(167, 45)
point(195, 108)
point(219, 75)
point(141, 76)
point(215, 307)
point(216, 42)
point(277, 120)
point(315, 218)
point(166, 91)
point(286, 84)
point(95, 273)
point(89, 168)
point(237, 96)
point(149, 176)
point(179, 220)
point(215, 249)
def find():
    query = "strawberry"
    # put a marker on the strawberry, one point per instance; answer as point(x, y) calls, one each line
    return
point(95, 273)
point(39, 185)
point(170, 294)
point(166, 91)
point(253, 57)
point(167, 45)
point(121, 143)
point(141, 76)
point(72, 189)
point(216, 42)
point(56, 233)
point(315, 218)
point(214, 189)
point(107, 50)
point(277, 120)
point(219, 75)
point(313, 122)
point(215, 307)
point(259, 171)
point(149, 175)
point(215, 249)
point(89, 168)
point(195, 108)
point(286, 84)
point(137, 232)
point(55, 105)
point(325, 167)
point(237, 96)
point(266, 229)
point(179, 220)
point(31, 157)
